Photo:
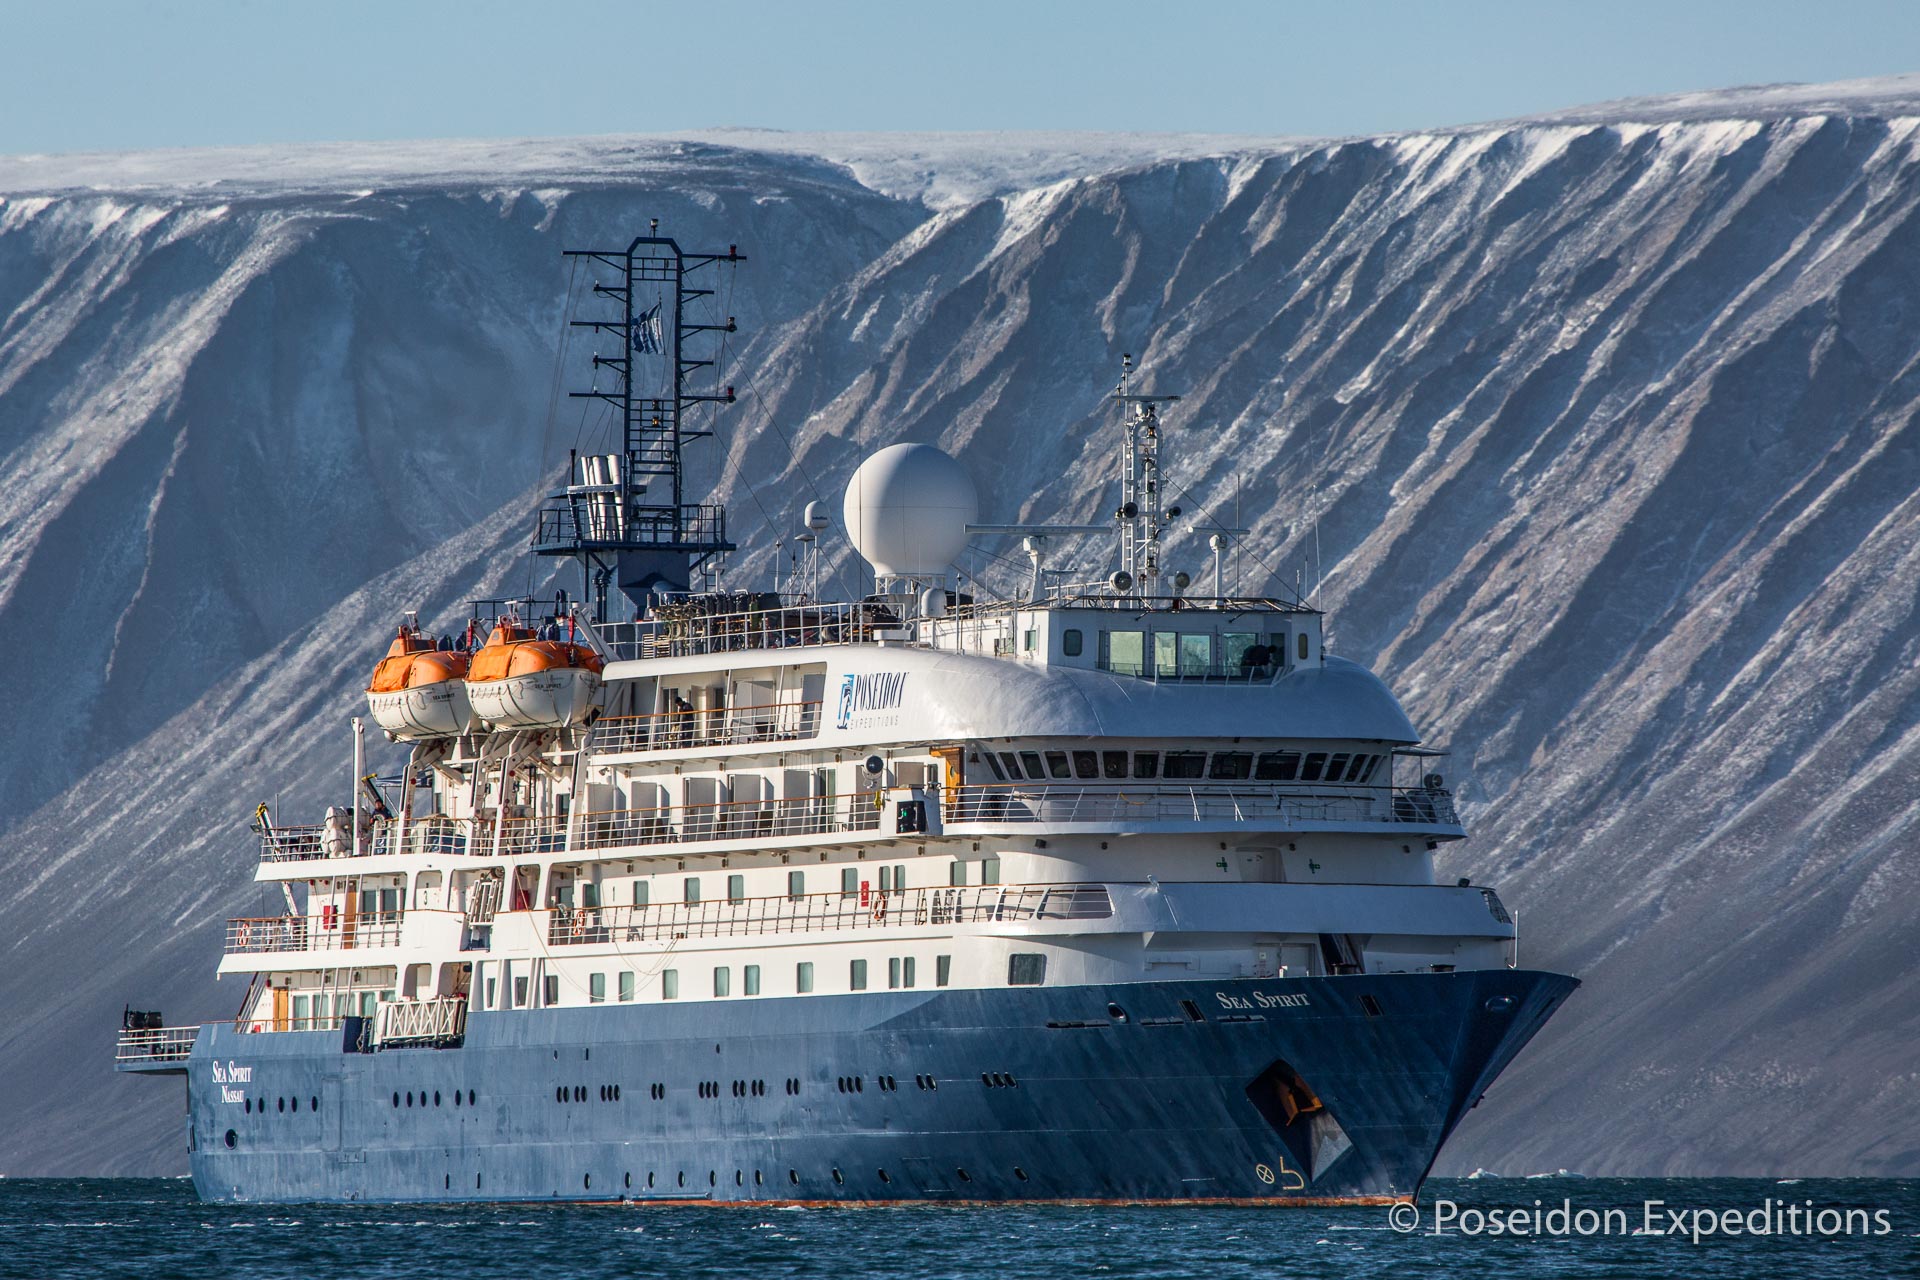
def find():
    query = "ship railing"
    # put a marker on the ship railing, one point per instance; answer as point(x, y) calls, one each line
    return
point(826, 912)
point(439, 1020)
point(785, 626)
point(155, 1044)
point(258, 935)
point(720, 727)
point(1122, 803)
point(315, 841)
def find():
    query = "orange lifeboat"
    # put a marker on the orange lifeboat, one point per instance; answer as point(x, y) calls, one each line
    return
point(418, 691)
point(519, 681)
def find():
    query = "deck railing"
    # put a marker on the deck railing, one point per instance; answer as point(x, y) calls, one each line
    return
point(1122, 803)
point(719, 727)
point(156, 1044)
point(822, 912)
point(785, 627)
point(440, 1020)
point(257, 935)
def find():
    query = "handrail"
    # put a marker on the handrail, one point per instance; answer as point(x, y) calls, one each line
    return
point(258, 935)
point(156, 1044)
point(437, 1020)
point(821, 912)
point(1068, 802)
point(712, 727)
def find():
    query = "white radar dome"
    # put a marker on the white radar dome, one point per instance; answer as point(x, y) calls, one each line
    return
point(907, 510)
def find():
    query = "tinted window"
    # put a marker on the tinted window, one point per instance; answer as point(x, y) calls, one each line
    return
point(1361, 767)
point(993, 763)
point(1303, 646)
point(1086, 764)
point(1057, 764)
point(1166, 653)
point(1146, 764)
point(1316, 762)
point(1114, 763)
point(1026, 970)
point(1071, 643)
point(1013, 766)
point(803, 977)
point(1127, 652)
point(1337, 767)
point(1186, 764)
point(1231, 765)
point(1196, 655)
point(1031, 759)
point(1278, 766)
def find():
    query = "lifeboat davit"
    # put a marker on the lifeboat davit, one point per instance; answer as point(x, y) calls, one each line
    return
point(518, 681)
point(419, 691)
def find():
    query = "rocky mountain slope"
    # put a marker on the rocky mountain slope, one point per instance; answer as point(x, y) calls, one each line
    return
point(1596, 435)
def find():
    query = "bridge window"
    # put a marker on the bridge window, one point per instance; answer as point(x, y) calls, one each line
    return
point(1186, 764)
point(1230, 766)
point(1013, 765)
point(1126, 652)
point(1026, 969)
point(1113, 764)
point(1031, 761)
point(1316, 764)
point(1166, 653)
point(1362, 768)
point(1146, 764)
point(1071, 642)
point(1337, 766)
point(993, 763)
point(1277, 766)
point(803, 977)
point(1086, 764)
point(1057, 764)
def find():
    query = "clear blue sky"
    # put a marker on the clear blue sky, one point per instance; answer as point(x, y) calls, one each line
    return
point(81, 75)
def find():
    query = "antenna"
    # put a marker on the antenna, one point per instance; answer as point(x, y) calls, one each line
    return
point(624, 515)
point(1139, 515)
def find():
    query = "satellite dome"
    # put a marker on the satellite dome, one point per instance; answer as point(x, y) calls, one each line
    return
point(907, 510)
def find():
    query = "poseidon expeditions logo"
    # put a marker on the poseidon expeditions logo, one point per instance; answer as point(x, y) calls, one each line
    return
point(881, 691)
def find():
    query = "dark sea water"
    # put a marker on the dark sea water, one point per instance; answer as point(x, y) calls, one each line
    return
point(155, 1228)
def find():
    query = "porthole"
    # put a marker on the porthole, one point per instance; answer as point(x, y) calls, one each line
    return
point(837, 1179)
point(469, 1097)
point(649, 1179)
point(859, 1084)
point(436, 1097)
point(884, 1177)
point(616, 1093)
point(281, 1105)
point(793, 1176)
point(683, 1178)
point(293, 1103)
point(739, 1178)
point(396, 1097)
point(587, 1182)
point(713, 1178)
point(1500, 1004)
point(1019, 1173)
point(246, 1104)
point(409, 1097)
point(313, 1103)
point(964, 1175)
point(1115, 1012)
point(456, 1097)
point(756, 1177)
point(233, 1139)
point(629, 1181)
point(446, 1182)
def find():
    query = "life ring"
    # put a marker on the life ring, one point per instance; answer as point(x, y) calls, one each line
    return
point(879, 908)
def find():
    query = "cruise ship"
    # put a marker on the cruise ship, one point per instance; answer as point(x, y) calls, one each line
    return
point(1109, 891)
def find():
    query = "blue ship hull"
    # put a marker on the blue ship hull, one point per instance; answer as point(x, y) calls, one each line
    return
point(1164, 1091)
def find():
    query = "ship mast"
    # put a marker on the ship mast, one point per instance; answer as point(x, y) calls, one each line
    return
point(624, 516)
point(1139, 517)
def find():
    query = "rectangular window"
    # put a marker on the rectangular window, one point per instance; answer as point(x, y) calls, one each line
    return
point(1315, 764)
point(1196, 655)
point(1230, 766)
point(957, 873)
point(1126, 652)
point(519, 993)
point(899, 878)
point(751, 977)
point(1071, 642)
point(993, 763)
point(886, 879)
point(669, 984)
point(1030, 640)
point(893, 973)
point(1234, 646)
point(1113, 764)
point(1362, 766)
point(550, 993)
point(1277, 766)
point(1086, 764)
point(1057, 764)
point(906, 972)
point(990, 870)
point(300, 1005)
point(942, 970)
point(1146, 764)
point(857, 975)
point(796, 884)
point(639, 893)
point(849, 882)
point(589, 895)
point(722, 980)
point(1026, 969)
point(367, 1003)
point(626, 986)
point(596, 988)
point(1166, 653)
point(691, 888)
point(493, 993)
point(1030, 760)
point(736, 888)
point(1013, 765)
point(803, 977)
point(1186, 764)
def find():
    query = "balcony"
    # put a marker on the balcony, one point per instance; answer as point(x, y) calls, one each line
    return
point(726, 727)
point(268, 935)
point(441, 1021)
point(826, 912)
point(1122, 805)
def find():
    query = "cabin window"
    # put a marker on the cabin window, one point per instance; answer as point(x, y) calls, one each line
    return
point(550, 990)
point(1057, 764)
point(750, 979)
point(893, 973)
point(1230, 766)
point(1146, 764)
point(906, 972)
point(990, 870)
point(300, 1005)
point(1030, 760)
point(493, 993)
point(1315, 765)
point(1071, 642)
point(1126, 652)
point(1337, 767)
point(1026, 969)
point(942, 970)
point(589, 894)
point(1113, 764)
point(857, 975)
point(722, 980)
point(691, 886)
point(1196, 655)
point(803, 977)
point(993, 763)
point(796, 884)
point(957, 873)
point(1277, 766)
point(669, 984)
point(626, 986)
point(519, 993)
point(1030, 640)
point(1303, 646)
point(1166, 653)
point(736, 888)
point(639, 893)
point(849, 882)
point(1186, 764)
point(1086, 764)
point(596, 988)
